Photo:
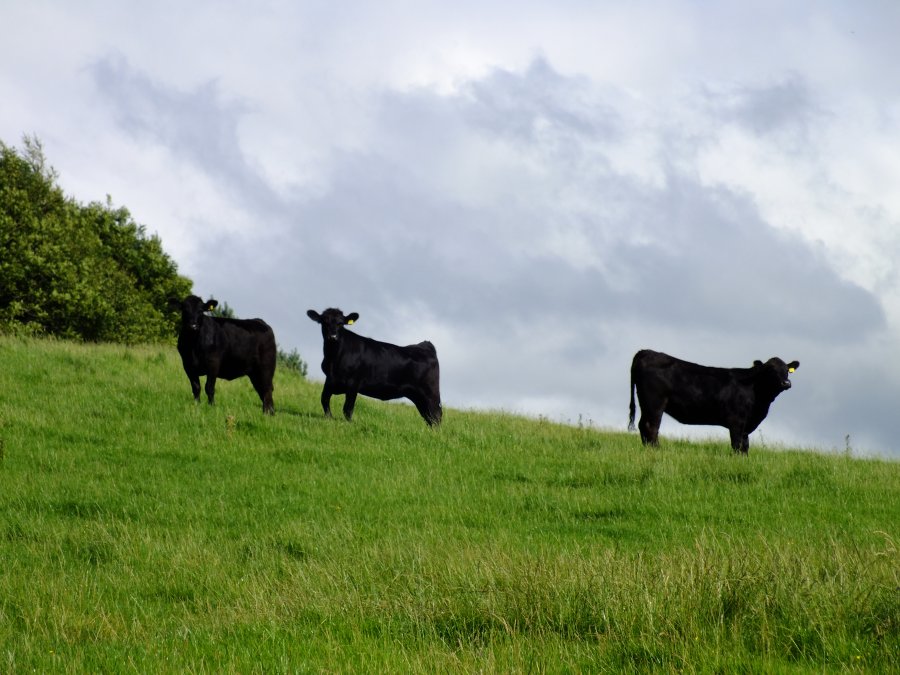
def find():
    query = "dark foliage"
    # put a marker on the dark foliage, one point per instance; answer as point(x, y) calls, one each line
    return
point(292, 361)
point(78, 271)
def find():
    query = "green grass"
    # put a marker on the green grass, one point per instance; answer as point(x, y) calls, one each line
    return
point(140, 532)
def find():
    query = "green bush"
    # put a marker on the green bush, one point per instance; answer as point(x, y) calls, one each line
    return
point(292, 361)
point(70, 270)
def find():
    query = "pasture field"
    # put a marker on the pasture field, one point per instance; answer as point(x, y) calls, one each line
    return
point(140, 532)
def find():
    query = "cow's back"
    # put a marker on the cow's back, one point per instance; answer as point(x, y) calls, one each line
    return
point(237, 346)
point(425, 356)
point(240, 335)
point(673, 374)
point(422, 351)
point(248, 343)
point(381, 369)
point(656, 370)
point(689, 392)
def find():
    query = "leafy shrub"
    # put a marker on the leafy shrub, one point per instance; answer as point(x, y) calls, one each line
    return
point(292, 361)
point(75, 271)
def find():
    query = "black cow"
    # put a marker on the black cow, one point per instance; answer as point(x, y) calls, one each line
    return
point(735, 398)
point(354, 364)
point(225, 348)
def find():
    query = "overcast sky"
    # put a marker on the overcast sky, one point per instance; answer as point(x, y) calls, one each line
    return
point(539, 188)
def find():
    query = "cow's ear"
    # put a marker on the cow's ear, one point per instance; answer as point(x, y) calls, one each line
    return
point(793, 365)
point(757, 364)
point(314, 315)
point(174, 303)
point(210, 304)
point(351, 318)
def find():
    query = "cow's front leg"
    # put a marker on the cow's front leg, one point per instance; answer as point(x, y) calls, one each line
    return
point(349, 403)
point(195, 387)
point(326, 398)
point(740, 442)
point(211, 388)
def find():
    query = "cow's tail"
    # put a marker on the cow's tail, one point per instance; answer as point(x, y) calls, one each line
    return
point(631, 408)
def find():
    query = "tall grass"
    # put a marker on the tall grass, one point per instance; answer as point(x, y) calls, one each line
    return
point(141, 532)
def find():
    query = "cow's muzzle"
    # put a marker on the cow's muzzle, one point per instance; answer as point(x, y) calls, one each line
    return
point(786, 384)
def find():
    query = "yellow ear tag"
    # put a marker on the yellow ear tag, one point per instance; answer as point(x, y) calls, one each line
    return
point(791, 370)
point(350, 322)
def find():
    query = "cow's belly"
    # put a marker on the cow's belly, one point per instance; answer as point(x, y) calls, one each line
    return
point(383, 392)
point(695, 414)
point(231, 370)
point(229, 375)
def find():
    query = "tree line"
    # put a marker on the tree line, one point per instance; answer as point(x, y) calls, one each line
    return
point(77, 271)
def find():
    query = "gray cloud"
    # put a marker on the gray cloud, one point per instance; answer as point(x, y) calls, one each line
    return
point(787, 104)
point(705, 258)
point(199, 126)
point(714, 263)
point(520, 106)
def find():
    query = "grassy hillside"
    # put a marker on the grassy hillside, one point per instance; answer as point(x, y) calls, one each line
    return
point(140, 532)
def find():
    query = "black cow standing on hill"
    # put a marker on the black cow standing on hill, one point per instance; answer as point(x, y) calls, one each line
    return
point(225, 348)
point(354, 364)
point(735, 398)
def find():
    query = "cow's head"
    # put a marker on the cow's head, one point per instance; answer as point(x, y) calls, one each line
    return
point(332, 321)
point(776, 372)
point(193, 309)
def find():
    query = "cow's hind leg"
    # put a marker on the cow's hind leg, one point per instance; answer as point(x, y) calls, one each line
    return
point(264, 388)
point(349, 403)
point(435, 415)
